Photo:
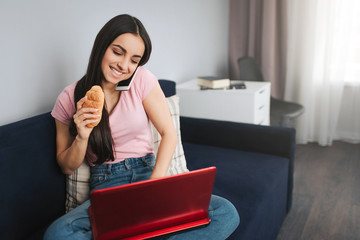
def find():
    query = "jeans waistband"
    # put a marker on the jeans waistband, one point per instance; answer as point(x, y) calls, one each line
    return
point(125, 165)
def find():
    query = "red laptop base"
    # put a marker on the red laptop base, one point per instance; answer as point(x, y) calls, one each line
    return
point(152, 208)
point(115, 235)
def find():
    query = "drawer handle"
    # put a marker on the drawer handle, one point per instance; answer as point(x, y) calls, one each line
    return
point(261, 122)
point(262, 91)
point(261, 107)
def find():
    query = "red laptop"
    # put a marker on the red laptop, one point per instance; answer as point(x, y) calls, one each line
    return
point(152, 208)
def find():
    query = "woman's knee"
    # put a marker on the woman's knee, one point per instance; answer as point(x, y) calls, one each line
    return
point(225, 211)
point(56, 230)
point(70, 224)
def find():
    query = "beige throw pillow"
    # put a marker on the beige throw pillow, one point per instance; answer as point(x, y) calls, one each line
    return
point(178, 162)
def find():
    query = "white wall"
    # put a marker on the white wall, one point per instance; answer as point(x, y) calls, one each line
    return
point(45, 45)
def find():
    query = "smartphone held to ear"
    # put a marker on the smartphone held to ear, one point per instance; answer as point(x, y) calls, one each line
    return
point(125, 84)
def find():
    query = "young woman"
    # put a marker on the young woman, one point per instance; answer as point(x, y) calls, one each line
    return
point(120, 149)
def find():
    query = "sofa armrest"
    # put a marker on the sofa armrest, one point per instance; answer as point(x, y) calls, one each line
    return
point(31, 180)
point(271, 140)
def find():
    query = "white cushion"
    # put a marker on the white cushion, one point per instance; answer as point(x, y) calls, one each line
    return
point(178, 162)
point(77, 186)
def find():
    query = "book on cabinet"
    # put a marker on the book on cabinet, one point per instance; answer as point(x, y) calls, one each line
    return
point(211, 82)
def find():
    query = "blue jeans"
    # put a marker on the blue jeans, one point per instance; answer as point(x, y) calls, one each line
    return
point(76, 224)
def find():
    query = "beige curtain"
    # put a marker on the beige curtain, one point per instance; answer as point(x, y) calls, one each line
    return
point(258, 29)
point(323, 69)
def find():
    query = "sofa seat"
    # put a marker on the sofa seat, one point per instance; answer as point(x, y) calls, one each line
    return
point(258, 184)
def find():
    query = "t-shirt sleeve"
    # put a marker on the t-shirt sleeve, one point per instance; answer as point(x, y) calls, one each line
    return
point(64, 108)
point(146, 80)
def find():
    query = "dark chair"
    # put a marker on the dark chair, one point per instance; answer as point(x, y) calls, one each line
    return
point(281, 112)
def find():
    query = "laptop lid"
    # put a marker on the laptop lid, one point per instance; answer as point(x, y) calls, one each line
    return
point(152, 208)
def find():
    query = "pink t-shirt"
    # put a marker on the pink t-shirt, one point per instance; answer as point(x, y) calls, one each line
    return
point(129, 123)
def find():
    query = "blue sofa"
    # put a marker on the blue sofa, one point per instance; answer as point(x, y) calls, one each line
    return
point(254, 171)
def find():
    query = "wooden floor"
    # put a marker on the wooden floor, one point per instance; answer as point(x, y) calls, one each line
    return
point(326, 200)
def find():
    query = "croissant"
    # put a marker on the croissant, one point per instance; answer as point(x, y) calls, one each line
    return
point(95, 99)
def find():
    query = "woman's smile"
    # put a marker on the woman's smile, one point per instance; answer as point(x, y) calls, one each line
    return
point(117, 72)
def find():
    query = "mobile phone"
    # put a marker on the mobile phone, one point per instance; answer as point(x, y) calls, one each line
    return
point(124, 85)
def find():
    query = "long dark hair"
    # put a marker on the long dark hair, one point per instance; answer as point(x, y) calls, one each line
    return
point(100, 139)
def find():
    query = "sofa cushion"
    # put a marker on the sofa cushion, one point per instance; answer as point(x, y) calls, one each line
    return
point(178, 162)
point(257, 186)
point(78, 186)
point(30, 177)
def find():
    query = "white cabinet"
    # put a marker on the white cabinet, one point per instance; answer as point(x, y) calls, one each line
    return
point(250, 105)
